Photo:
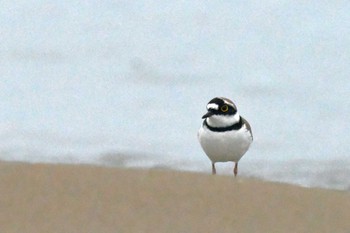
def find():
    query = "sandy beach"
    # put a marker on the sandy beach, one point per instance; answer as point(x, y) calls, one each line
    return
point(71, 198)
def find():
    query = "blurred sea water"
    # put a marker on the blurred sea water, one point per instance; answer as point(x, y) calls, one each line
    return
point(122, 83)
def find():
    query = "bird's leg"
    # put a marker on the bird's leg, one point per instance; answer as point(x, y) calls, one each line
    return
point(213, 170)
point(235, 170)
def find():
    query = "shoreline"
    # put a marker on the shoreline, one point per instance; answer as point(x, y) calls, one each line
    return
point(87, 198)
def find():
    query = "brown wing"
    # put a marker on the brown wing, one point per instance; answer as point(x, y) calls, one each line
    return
point(248, 126)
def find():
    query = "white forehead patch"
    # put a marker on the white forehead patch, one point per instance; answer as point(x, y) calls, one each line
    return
point(213, 106)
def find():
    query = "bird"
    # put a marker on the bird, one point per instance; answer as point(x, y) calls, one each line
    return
point(225, 136)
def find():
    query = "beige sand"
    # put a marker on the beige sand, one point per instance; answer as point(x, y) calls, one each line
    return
point(83, 199)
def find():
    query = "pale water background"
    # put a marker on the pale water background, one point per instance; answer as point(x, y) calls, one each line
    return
point(125, 83)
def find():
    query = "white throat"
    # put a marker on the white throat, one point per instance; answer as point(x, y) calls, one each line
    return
point(219, 121)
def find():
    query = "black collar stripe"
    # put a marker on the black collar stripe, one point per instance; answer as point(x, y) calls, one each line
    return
point(235, 126)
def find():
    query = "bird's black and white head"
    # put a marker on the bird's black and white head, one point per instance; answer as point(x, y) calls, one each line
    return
point(222, 112)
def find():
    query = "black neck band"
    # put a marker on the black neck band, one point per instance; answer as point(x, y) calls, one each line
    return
point(235, 126)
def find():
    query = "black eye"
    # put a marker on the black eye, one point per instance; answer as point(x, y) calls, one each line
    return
point(224, 108)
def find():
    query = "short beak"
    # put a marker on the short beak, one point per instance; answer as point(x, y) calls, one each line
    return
point(208, 114)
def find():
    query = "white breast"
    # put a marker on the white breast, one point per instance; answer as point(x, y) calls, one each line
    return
point(225, 146)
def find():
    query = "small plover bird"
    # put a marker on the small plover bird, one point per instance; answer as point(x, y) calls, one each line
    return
point(224, 135)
